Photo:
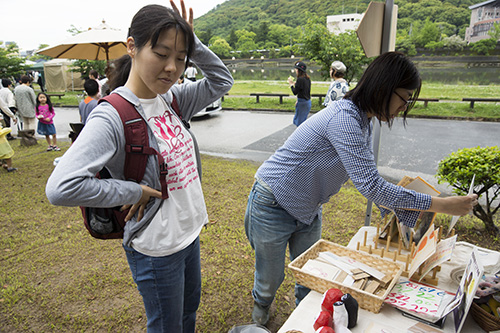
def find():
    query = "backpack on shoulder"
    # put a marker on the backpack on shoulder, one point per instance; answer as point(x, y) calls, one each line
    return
point(109, 223)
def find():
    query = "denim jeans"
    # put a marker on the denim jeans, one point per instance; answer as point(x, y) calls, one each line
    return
point(170, 287)
point(302, 108)
point(270, 229)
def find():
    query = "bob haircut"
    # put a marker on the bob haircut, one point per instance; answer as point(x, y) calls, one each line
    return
point(146, 27)
point(383, 76)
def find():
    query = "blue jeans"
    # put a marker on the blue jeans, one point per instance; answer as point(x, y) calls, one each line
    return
point(170, 287)
point(270, 229)
point(302, 108)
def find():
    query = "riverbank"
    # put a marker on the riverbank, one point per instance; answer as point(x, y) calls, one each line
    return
point(450, 105)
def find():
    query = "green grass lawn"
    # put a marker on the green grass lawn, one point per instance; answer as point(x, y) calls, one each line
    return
point(450, 105)
point(54, 277)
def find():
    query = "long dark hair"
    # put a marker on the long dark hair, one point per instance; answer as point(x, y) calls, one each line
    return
point(383, 76)
point(301, 73)
point(146, 27)
point(49, 103)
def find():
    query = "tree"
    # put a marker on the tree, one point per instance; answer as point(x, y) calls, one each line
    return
point(406, 46)
point(429, 33)
point(281, 34)
point(220, 47)
point(484, 46)
point(458, 169)
point(36, 57)
point(495, 31)
point(85, 66)
point(319, 45)
point(261, 33)
point(454, 43)
point(233, 39)
point(246, 42)
point(11, 65)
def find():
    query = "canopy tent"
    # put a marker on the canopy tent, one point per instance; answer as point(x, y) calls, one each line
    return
point(58, 77)
point(38, 66)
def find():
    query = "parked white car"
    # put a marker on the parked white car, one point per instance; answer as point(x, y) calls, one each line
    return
point(215, 107)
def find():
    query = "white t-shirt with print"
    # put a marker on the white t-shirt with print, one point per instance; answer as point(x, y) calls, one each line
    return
point(180, 218)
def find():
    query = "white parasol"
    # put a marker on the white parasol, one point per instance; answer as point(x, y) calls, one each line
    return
point(99, 43)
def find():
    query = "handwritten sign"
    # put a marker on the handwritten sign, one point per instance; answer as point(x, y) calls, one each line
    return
point(418, 299)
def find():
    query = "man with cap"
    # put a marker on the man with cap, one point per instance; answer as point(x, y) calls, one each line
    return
point(301, 88)
point(339, 86)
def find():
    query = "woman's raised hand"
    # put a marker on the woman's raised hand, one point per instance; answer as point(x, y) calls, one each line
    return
point(184, 12)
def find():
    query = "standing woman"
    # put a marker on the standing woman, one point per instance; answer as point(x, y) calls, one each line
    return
point(301, 88)
point(161, 237)
point(285, 204)
point(339, 87)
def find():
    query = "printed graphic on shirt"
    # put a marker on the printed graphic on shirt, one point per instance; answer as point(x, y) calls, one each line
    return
point(177, 148)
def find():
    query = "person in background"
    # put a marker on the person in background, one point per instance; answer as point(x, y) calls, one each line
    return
point(333, 146)
point(40, 83)
point(302, 89)
point(8, 98)
point(25, 99)
point(6, 151)
point(94, 75)
point(105, 88)
point(339, 86)
point(161, 237)
point(45, 114)
point(90, 102)
point(191, 72)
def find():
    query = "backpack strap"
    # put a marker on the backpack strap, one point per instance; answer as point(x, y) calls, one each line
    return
point(137, 146)
point(175, 106)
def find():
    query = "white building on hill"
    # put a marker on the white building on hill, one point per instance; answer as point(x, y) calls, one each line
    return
point(338, 24)
point(482, 18)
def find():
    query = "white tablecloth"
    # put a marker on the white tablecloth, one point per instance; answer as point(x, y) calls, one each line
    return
point(390, 320)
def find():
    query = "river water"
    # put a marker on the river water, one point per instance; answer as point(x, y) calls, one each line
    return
point(459, 73)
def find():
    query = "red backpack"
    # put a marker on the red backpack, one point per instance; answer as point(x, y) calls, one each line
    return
point(109, 223)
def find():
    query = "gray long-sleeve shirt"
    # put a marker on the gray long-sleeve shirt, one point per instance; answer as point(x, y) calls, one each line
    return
point(102, 143)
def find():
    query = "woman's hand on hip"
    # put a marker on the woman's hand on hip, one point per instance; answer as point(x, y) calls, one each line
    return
point(147, 193)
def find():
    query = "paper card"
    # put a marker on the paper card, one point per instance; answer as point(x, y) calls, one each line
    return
point(467, 289)
point(425, 249)
point(421, 186)
point(418, 299)
point(321, 269)
point(444, 251)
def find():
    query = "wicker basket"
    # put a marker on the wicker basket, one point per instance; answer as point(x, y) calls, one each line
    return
point(367, 301)
point(485, 320)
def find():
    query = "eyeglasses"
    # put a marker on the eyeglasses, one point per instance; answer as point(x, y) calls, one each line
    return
point(407, 101)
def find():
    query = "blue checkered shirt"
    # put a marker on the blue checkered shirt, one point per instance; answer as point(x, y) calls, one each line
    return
point(322, 154)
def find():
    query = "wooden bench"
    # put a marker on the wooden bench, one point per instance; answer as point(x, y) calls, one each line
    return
point(257, 96)
point(320, 96)
point(472, 100)
point(55, 94)
point(427, 100)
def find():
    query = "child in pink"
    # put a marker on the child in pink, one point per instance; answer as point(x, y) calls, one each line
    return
point(45, 114)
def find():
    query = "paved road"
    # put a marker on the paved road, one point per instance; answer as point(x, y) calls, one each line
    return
point(413, 151)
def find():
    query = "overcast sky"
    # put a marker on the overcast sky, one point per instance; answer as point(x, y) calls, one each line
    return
point(30, 23)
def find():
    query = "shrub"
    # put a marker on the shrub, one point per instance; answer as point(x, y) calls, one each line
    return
point(458, 169)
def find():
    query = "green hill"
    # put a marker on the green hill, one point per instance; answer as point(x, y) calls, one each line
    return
point(452, 15)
